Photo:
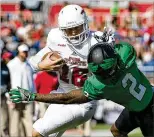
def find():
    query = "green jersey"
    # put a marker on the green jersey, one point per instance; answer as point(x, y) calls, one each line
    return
point(131, 89)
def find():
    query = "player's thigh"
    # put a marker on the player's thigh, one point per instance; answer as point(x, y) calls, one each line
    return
point(126, 122)
point(146, 119)
point(147, 126)
point(82, 112)
point(62, 117)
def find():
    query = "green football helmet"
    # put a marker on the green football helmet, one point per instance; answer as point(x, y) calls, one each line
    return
point(102, 60)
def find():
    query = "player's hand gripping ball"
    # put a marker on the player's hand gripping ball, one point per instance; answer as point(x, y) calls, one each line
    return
point(51, 61)
point(54, 55)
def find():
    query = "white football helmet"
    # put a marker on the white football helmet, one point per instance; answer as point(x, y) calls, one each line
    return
point(73, 23)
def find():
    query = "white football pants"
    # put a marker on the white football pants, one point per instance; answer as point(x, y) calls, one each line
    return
point(60, 117)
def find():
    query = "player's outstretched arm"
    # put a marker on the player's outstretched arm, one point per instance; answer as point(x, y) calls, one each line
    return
point(74, 96)
point(21, 95)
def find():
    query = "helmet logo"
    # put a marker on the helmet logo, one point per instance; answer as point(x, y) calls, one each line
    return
point(82, 12)
point(86, 93)
point(71, 22)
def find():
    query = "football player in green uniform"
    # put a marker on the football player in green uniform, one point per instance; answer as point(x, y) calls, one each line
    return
point(115, 77)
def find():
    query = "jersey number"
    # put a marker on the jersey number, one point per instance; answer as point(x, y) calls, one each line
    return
point(138, 95)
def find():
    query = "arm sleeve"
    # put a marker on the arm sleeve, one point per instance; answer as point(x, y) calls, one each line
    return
point(34, 60)
point(91, 90)
point(127, 53)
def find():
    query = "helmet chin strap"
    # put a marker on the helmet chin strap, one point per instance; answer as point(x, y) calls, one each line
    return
point(82, 37)
point(78, 42)
point(74, 41)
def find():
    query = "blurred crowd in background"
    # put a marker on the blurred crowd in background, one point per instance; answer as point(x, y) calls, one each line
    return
point(20, 29)
point(128, 24)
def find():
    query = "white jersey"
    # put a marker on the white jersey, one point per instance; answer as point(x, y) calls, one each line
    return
point(75, 72)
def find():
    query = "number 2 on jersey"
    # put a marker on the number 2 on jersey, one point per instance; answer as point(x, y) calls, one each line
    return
point(138, 95)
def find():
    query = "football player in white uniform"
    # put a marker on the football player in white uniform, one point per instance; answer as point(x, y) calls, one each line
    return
point(72, 39)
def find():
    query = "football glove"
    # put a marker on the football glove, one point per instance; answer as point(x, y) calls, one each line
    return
point(108, 37)
point(21, 95)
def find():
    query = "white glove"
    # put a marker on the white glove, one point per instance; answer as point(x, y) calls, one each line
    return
point(108, 36)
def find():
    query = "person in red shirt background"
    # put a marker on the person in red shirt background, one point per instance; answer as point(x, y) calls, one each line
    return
point(45, 82)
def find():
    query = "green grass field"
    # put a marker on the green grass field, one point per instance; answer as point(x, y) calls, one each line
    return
point(134, 133)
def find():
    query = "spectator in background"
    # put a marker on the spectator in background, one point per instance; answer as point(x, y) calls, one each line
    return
point(148, 58)
point(152, 48)
point(7, 56)
point(21, 75)
point(139, 51)
point(148, 65)
point(135, 19)
point(45, 82)
point(114, 11)
point(4, 87)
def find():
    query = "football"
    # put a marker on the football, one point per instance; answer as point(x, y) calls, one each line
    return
point(96, 55)
point(53, 57)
